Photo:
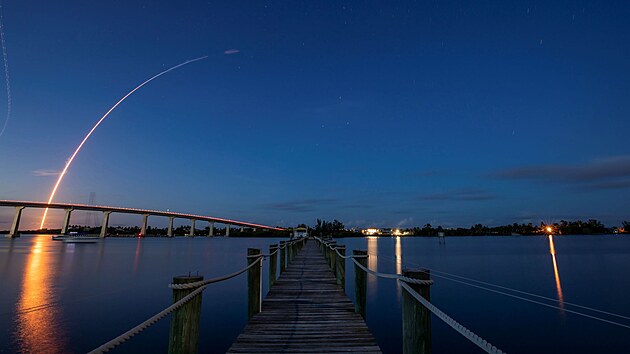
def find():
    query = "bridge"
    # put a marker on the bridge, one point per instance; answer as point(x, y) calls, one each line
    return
point(108, 210)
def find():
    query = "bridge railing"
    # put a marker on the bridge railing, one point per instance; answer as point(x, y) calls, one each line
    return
point(187, 291)
point(416, 307)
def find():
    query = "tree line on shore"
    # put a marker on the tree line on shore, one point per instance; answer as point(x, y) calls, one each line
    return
point(337, 229)
point(564, 227)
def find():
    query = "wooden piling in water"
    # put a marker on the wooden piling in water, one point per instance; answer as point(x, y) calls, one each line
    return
point(416, 318)
point(360, 282)
point(340, 273)
point(254, 283)
point(184, 333)
point(333, 256)
point(283, 256)
point(273, 264)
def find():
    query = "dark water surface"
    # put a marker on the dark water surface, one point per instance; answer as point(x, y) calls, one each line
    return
point(64, 298)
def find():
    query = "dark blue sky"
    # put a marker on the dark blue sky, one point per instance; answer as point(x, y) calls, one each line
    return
point(375, 113)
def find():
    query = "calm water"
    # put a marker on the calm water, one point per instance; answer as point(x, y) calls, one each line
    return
point(62, 298)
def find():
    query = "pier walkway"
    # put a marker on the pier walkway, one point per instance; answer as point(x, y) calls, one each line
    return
point(306, 311)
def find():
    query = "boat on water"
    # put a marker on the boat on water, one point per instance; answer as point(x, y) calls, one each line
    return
point(81, 239)
point(75, 237)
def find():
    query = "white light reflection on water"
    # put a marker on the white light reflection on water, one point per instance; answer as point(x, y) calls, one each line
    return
point(372, 250)
point(399, 264)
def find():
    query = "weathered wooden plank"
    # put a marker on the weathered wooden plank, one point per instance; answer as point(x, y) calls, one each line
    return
point(306, 311)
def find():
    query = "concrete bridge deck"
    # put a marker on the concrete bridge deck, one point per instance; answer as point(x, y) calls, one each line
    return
point(306, 312)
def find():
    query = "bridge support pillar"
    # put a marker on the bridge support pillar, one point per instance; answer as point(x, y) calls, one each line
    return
point(105, 223)
point(66, 221)
point(16, 222)
point(227, 230)
point(211, 230)
point(192, 228)
point(145, 223)
point(169, 231)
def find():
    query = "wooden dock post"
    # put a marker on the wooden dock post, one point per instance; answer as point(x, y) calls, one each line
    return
point(416, 318)
point(360, 282)
point(273, 264)
point(184, 333)
point(293, 250)
point(283, 256)
point(254, 283)
point(333, 257)
point(340, 273)
point(327, 252)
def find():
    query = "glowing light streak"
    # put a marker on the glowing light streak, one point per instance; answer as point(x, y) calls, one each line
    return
point(6, 73)
point(552, 250)
point(65, 169)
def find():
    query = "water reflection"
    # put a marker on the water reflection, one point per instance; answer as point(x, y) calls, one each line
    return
point(398, 256)
point(398, 253)
point(552, 250)
point(373, 253)
point(37, 329)
point(138, 253)
point(372, 264)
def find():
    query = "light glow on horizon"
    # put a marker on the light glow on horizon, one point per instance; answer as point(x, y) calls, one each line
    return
point(76, 151)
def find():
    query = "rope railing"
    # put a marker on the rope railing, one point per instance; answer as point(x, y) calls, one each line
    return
point(470, 282)
point(336, 251)
point(213, 280)
point(468, 334)
point(146, 324)
point(375, 273)
point(198, 287)
point(404, 282)
point(394, 276)
point(263, 255)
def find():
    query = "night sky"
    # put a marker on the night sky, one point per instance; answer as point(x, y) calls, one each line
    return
point(371, 112)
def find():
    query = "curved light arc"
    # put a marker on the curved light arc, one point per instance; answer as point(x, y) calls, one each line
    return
point(76, 151)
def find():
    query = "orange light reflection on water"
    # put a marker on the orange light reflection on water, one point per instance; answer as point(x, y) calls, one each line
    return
point(552, 250)
point(37, 314)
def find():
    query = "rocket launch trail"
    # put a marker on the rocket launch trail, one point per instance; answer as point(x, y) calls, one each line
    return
point(6, 73)
point(76, 151)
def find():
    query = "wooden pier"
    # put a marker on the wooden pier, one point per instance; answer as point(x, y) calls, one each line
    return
point(306, 312)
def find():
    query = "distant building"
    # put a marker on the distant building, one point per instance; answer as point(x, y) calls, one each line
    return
point(371, 232)
point(300, 232)
point(384, 232)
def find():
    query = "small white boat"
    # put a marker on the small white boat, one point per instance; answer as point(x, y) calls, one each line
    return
point(59, 237)
point(81, 239)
